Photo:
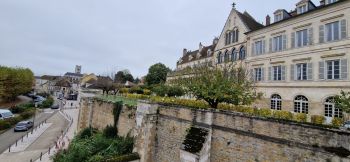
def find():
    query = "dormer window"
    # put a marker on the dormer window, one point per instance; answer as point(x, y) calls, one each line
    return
point(302, 9)
point(278, 16)
point(330, 1)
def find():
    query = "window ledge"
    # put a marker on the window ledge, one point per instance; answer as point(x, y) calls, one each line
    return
point(333, 55)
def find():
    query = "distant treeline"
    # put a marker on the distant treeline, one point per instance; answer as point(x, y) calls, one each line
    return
point(14, 82)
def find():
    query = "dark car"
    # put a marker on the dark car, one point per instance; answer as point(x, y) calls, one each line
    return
point(23, 126)
point(55, 106)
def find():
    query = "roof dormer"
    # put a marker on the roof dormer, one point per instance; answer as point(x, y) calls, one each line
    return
point(330, 1)
point(281, 15)
point(304, 6)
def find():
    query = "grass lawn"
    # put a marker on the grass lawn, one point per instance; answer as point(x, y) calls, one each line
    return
point(113, 98)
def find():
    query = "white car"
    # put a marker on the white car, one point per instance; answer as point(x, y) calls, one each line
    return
point(5, 114)
point(347, 125)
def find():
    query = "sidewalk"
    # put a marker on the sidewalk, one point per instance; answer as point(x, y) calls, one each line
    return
point(63, 141)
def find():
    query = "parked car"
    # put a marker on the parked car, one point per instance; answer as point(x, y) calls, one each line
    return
point(39, 99)
point(347, 125)
point(55, 106)
point(23, 126)
point(5, 114)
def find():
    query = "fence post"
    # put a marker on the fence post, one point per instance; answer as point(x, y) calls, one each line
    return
point(16, 143)
point(49, 150)
point(10, 148)
point(41, 155)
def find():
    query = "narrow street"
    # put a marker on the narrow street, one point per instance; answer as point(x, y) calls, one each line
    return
point(9, 137)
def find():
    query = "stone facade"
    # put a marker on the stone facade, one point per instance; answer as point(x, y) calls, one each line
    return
point(304, 54)
point(160, 131)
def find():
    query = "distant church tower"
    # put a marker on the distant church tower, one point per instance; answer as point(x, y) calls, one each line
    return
point(78, 69)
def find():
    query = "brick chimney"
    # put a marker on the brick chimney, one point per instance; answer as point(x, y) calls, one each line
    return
point(184, 51)
point(268, 20)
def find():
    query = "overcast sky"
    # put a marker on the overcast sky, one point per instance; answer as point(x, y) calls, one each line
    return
point(52, 36)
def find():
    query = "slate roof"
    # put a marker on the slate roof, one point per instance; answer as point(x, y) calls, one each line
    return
point(249, 21)
point(63, 83)
point(294, 15)
point(193, 54)
point(73, 74)
point(50, 78)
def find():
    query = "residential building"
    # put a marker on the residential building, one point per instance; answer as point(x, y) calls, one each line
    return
point(300, 61)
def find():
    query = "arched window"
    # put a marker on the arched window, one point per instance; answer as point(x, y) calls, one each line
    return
point(276, 102)
point(226, 56)
point(219, 58)
point(301, 104)
point(237, 33)
point(331, 110)
point(234, 55)
point(242, 53)
point(233, 36)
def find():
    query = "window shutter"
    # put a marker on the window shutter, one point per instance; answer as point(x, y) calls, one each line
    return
point(343, 29)
point(293, 40)
point(253, 49)
point(292, 74)
point(262, 74)
point(270, 45)
point(344, 69)
point(270, 73)
point(252, 74)
point(321, 36)
point(263, 46)
point(309, 71)
point(321, 70)
point(311, 36)
point(283, 72)
point(284, 38)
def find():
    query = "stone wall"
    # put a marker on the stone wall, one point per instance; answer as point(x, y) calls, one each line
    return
point(160, 131)
point(99, 114)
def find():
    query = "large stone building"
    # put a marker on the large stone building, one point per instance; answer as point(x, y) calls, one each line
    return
point(299, 61)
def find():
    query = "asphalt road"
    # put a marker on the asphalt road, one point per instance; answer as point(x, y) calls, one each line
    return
point(9, 137)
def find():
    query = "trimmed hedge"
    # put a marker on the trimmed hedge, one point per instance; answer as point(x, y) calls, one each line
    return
point(337, 122)
point(317, 119)
point(285, 115)
point(300, 117)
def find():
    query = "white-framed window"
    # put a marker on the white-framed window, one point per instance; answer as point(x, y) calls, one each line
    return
point(277, 43)
point(301, 71)
point(330, 1)
point(219, 58)
point(276, 102)
point(333, 69)
point(331, 110)
point(333, 31)
point(258, 74)
point(258, 47)
point(277, 72)
point(242, 53)
point(301, 38)
point(278, 17)
point(301, 104)
point(302, 9)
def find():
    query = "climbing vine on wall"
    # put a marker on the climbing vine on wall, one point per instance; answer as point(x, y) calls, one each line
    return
point(116, 112)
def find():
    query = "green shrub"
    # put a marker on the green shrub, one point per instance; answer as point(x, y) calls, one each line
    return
point(110, 132)
point(4, 125)
point(86, 133)
point(173, 91)
point(47, 103)
point(318, 119)
point(285, 115)
point(27, 114)
point(124, 90)
point(21, 108)
point(147, 92)
point(160, 90)
point(124, 158)
point(14, 120)
point(337, 122)
point(263, 113)
point(300, 117)
point(136, 89)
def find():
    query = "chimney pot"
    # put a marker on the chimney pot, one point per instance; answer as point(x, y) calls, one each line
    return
point(184, 51)
point(268, 20)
